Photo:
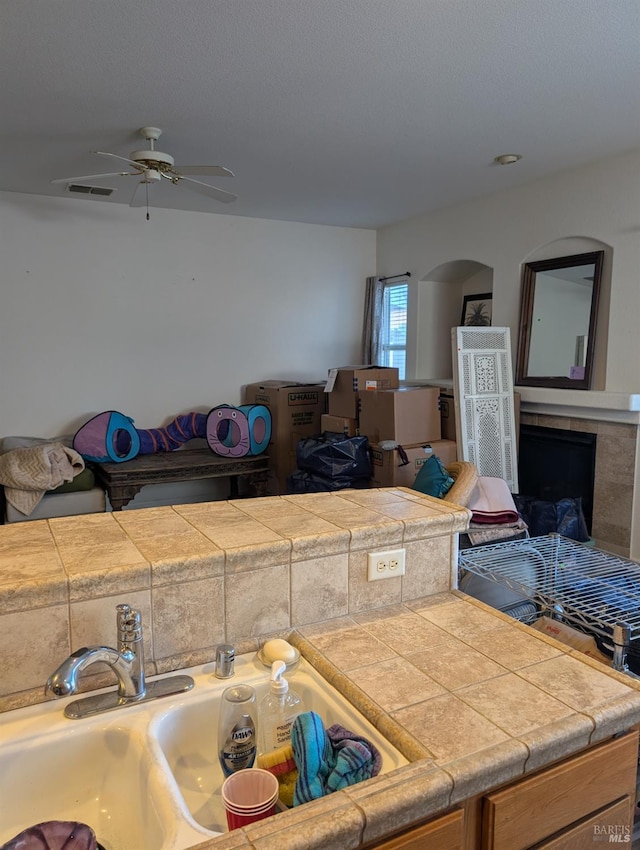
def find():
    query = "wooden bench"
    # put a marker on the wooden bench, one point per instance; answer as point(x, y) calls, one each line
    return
point(123, 481)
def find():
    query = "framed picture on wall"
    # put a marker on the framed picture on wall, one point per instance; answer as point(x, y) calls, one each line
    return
point(476, 310)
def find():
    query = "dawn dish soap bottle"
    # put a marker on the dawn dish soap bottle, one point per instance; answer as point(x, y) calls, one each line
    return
point(278, 709)
point(237, 739)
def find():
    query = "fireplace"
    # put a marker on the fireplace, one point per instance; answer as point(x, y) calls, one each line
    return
point(556, 463)
point(615, 464)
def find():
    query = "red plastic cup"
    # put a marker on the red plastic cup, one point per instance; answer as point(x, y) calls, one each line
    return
point(249, 795)
point(235, 821)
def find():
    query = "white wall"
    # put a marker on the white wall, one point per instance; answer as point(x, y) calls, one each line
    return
point(505, 229)
point(101, 309)
point(561, 311)
point(436, 300)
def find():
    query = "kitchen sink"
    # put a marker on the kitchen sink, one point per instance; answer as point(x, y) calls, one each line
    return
point(98, 773)
point(146, 776)
point(186, 735)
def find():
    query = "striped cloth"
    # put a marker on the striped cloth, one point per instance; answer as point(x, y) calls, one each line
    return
point(329, 760)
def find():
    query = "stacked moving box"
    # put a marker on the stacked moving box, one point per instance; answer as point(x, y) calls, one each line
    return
point(347, 385)
point(369, 401)
point(410, 417)
point(296, 410)
point(364, 400)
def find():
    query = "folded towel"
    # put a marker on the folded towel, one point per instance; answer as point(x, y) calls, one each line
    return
point(54, 835)
point(486, 533)
point(312, 754)
point(492, 502)
point(329, 760)
point(28, 473)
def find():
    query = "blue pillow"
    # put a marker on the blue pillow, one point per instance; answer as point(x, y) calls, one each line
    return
point(433, 479)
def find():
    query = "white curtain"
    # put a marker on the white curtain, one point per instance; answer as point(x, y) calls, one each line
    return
point(372, 325)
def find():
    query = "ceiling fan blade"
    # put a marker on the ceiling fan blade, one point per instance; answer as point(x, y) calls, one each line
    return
point(205, 188)
point(204, 170)
point(95, 176)
point(139, 165)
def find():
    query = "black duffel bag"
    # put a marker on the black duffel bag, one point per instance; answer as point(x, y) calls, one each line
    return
point(334, 456)
point(302, 481)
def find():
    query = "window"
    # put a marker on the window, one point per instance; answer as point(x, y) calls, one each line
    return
point(394, 327)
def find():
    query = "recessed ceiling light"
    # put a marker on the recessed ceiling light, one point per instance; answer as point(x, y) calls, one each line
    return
point(507, 158)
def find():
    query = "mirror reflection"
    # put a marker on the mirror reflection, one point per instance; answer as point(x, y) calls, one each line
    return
point(558, 320)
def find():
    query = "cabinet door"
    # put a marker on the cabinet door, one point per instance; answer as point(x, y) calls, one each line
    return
point(536, 808)
point(614, 820)
point(444, 833)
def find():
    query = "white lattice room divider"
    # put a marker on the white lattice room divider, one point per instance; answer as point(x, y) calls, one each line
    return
point(483, 393)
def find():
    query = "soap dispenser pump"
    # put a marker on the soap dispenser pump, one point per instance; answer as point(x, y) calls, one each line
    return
point(278, 709)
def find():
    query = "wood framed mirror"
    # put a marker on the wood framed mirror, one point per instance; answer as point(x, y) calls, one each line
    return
point(558, 318)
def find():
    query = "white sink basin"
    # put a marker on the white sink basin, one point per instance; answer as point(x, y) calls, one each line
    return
point(186, 735)
point(146, 776)
point(98, 773)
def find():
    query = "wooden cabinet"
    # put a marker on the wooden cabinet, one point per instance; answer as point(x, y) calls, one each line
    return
point(442, 833)
point(574, 798)
point(569, 806)
point(612, 820)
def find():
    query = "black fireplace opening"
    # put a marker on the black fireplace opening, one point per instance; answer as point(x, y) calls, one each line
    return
point(555, 464)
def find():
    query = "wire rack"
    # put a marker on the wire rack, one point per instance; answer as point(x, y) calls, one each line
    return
point(591, 589)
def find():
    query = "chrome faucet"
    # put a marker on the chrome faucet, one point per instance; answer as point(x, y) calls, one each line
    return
point(127, 662)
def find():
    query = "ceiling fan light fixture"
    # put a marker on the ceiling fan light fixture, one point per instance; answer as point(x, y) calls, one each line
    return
point(151, 166)
point(158, 157)
point(507, 158)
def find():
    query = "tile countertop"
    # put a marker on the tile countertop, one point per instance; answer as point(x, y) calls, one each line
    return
point(473, 698)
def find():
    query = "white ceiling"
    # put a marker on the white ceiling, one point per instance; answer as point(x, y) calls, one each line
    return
point(346, 112)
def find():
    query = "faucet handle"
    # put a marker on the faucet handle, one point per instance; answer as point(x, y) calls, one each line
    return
point(225, 657)
point(129, 622)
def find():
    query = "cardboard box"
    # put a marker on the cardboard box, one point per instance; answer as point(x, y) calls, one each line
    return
point(409, 415)
point(386, 468)
point(339, 425)
point(296, 410)
point(280, 467)
point(347, 383)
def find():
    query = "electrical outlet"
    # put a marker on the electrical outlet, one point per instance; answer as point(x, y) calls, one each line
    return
point(385, 564)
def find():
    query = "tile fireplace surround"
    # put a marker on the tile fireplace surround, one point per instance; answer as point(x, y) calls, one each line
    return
point(615, 418)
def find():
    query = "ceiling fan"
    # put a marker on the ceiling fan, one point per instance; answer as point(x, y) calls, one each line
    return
point(152, 166)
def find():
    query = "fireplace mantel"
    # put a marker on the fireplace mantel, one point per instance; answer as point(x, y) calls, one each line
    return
point(576, 404)
point(581, 404)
